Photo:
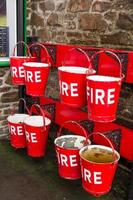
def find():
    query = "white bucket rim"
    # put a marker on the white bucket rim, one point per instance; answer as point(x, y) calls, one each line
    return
point(68, 136)
point(102, 147)
point(17, 118)
point(73, 69)
point(35, 64)
point(22, 57)
point(101, 78)
point(37, 121)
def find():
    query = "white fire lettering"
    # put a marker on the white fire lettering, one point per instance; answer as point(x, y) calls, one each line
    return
point(95, 177)
point(98, 96)
point(65, 160)
point(16, 131)
point(72, 87)
point(31, 137)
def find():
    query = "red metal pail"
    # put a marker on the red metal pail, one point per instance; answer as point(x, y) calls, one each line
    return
point(36, 130)
point(16, 65)
point(72, 81)
point(36, 76)
point(103, 95)
point(16, 129)
point(97, 177)
point(68, 157)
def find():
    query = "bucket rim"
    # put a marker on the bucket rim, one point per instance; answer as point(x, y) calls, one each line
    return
point(70, 69)
point(35, 64)
point(17, 115)
point(16, 57)
point(103, 147)
point(47, 121)
point(102, 78)
point(67, 136)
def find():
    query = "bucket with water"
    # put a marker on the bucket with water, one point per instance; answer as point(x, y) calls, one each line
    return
point(16, 128)
point(98, 166)
point(67, 150)
point(72, 81)
point(16, 65)
point(36, 130)
point(36, 76)
point(103, 94)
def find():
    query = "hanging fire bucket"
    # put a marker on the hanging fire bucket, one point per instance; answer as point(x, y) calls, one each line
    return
point(67, 149)
point(16, 65)
point(16, 128)
point(72, 81)
point(36, 130)
point(36, 76)
point(98, 166)
point(103, 94)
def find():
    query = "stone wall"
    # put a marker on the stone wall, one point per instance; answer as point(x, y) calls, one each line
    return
point(107, 23)
point(8, 99)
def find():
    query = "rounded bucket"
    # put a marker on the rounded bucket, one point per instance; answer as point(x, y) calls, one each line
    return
point(98, 168)
point(16, 65)
point(16, 130)
point(17, 68)
point(67, 150)
point(36, 130)
point(36, 76)
point(102, 96)
point(72, 81)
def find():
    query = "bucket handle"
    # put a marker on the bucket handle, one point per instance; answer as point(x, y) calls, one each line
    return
point(110, 143)
point(41, 112)
point(25, 45)
point(25, 106)
point(41, 45)
point(83, 52)
point(74, 122)
point(114, 55)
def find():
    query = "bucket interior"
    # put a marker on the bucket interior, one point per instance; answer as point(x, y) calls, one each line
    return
point(100, 78)
point(70, 141)
point(37, 121)
point(36, 64)
point(17, 118)
point(73, 69)
point(98, 154)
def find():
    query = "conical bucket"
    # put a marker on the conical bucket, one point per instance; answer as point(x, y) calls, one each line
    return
point(72, 82)
point(36, 130)
point(103, 95)
point(98, 166)
point(16, 65)
point(67, 150)
point(16, 129)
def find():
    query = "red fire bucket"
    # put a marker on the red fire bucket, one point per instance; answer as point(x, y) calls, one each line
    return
point(103, 95)
point(16, 65)
point(36, 130)
point(72, 81)
point(16, 129)
point(67, 149)
point(97, 176)
point(36, 76)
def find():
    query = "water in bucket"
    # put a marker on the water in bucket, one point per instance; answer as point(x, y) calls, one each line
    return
point(98, 166)
point(98, 155)
point(71, 142)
